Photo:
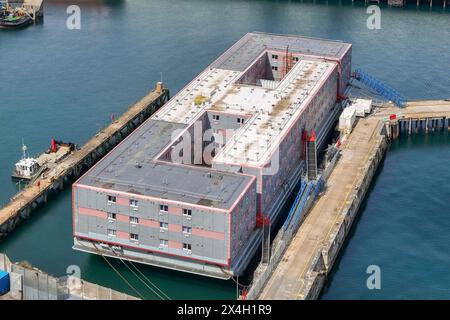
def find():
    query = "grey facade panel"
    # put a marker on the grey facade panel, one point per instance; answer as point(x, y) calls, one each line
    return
point(223, 207)
point(128, 168)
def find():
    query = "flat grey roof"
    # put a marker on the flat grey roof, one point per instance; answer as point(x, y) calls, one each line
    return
point(185, 183)
point(250, 46)
point(188, 183)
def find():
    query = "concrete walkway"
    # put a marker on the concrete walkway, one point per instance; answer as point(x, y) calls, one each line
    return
point(290, 278)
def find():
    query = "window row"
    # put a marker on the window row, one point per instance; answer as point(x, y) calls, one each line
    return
point(162, 207)
point(275, 57)
point(162, 225)
point(132, 202)
point(162, 242)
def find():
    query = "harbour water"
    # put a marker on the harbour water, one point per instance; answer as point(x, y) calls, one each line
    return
point(67, 84)
point(402, 228)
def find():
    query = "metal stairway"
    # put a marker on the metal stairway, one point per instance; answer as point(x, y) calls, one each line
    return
point(311, 157)
point(379, 87)
point(266, 244)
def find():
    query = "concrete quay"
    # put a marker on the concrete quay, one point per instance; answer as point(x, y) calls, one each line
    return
point(309, 258)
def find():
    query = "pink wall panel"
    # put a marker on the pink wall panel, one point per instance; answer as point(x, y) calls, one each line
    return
point(123, 201)
point(175, 210)
point(92, 212)
point(123, 234)
point(175, 227)
point(149, 223)
point(175, 244)
point(122, 218)
point(208, 234)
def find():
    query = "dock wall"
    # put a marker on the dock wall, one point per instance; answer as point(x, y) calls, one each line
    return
point(420, 117)
point(28, 283)
point(324, 260)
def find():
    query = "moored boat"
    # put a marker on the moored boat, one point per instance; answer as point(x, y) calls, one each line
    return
point(29, 168)
point(14, 20)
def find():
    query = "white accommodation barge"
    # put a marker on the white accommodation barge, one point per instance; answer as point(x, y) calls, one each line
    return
point(192, 188)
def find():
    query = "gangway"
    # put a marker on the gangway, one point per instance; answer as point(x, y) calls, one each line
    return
point(380, 87)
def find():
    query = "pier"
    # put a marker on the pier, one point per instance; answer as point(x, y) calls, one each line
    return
point(309, 257)
point(72, 166)
point(34, 8)
point(401, 3)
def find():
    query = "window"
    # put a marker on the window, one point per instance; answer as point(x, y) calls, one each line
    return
point(187, 229)
point(111, 216)
point(112, 199)
point(163, 208)
point(134, 220)
point(111, 233)
point(187, 212)
point(274, 68)
point(163, 242)
point(133, 203)
point(275, 56)
point(164, 225)
point(134, 236)
point(215, 117)
point(187, 246)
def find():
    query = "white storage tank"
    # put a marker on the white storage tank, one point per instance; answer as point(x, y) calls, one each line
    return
point(362, 106)
point(347, 119)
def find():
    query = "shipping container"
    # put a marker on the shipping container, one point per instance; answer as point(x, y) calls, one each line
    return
point(4, 282)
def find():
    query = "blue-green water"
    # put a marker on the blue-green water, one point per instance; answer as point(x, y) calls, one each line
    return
point(402, 228)
point(66, 84)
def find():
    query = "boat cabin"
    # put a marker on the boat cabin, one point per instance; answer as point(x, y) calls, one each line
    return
point(26, 168)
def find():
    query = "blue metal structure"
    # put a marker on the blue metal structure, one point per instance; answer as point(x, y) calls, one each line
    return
point(304, 193)
point(379, 87)
point(299, 204)
point(4, 282)
point(299, 210)
point(295, 204)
